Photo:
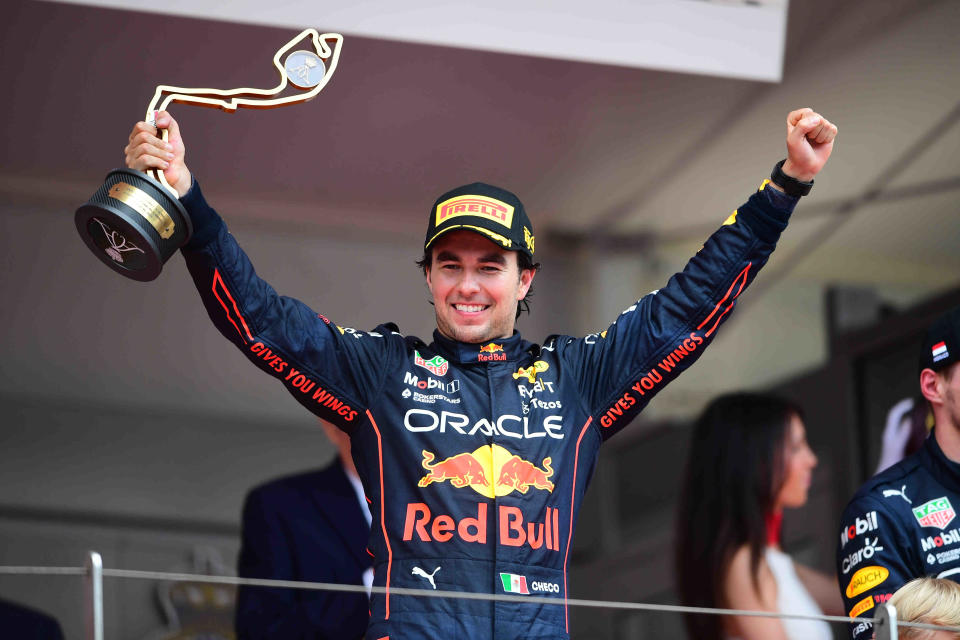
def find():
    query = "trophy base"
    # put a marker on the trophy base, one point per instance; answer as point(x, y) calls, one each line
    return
point(133, 224)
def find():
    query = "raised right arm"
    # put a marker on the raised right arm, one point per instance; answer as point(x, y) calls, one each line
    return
point(332, 371)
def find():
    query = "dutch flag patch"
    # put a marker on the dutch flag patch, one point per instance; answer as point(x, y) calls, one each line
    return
point(940, 351)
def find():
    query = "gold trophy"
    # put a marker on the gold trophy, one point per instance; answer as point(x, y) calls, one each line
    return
point(135, 222)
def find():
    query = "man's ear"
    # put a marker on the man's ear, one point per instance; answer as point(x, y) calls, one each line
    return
point(930, 386)
point(526, 279)
point(426, 273)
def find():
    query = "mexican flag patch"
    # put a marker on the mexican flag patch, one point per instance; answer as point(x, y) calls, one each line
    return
point(512, 583)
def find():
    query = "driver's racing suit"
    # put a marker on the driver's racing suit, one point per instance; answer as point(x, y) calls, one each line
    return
point(475, 457)
point(902, 524)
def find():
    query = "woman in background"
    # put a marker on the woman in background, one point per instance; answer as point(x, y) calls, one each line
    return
point(749, 459)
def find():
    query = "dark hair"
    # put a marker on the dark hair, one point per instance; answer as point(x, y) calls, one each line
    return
point(734, 470)
point(523, 262)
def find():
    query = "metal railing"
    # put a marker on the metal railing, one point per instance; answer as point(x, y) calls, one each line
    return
point(885, 623)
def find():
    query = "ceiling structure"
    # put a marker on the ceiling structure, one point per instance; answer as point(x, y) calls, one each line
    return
point(732, 39)
point(630, 164)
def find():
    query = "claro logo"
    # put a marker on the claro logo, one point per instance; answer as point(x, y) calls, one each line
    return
point(870, 549)
point(866, 579)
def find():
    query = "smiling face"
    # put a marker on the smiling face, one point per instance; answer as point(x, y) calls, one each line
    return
point(476, 286)
point(799, 461)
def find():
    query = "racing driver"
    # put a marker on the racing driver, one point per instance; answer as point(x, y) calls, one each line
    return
point(475, 449)
point(902, 524)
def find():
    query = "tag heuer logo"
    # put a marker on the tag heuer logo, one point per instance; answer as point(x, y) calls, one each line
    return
point(936, 513)
point(436, 364)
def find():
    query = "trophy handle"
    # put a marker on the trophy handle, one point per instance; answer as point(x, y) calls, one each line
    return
point(157, 174)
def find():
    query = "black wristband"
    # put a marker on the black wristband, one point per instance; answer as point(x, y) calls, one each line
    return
point(790, 186)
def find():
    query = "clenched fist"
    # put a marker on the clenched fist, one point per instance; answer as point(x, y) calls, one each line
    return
point(809, 143)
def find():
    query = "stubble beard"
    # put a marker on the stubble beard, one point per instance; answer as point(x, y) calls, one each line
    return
point(471, 334)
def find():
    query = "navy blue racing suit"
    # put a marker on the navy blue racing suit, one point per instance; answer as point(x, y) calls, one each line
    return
point(899, 526)
point(475, 457)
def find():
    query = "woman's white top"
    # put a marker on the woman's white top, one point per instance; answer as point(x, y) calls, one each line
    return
point(793, 597)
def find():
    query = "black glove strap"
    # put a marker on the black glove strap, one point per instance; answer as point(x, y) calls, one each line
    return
point(790, 186)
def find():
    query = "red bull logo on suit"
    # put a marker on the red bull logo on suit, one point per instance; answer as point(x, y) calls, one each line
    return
point(490, 470)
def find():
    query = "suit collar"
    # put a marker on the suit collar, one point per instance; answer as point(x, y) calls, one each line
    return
point(943, 469)
point(503, 350)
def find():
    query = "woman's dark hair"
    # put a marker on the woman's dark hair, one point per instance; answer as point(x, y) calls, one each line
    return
point(523, 261)
point(734, 470)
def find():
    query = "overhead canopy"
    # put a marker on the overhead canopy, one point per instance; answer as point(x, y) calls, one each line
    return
point(728, 38)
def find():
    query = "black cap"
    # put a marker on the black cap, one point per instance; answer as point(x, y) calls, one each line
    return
point(495, 213)
point(941, 346)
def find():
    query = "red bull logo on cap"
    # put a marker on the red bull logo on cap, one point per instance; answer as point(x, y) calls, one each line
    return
point(490, 470)
point(480, 206)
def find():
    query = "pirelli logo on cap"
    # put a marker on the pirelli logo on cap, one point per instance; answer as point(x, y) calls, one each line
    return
point(481, 206)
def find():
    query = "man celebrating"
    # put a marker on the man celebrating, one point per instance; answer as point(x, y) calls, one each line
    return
point(475, 450)
point(902, 523)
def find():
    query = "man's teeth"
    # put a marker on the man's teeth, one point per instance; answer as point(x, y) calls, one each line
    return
point(469, 308)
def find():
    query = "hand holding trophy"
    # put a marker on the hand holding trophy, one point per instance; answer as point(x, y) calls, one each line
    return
point(135, 222)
